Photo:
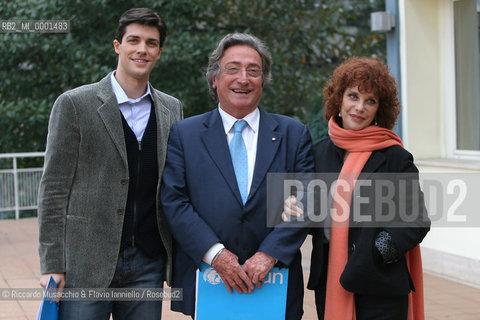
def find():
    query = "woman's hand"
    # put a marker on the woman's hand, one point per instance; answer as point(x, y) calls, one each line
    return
point(290, 209)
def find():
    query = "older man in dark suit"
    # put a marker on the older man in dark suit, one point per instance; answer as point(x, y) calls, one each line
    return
point(100, 221)
point(214, 182)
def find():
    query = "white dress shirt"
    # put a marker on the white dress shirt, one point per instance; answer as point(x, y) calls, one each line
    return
point(135, 111)
point(250, 137)
point(249, 134)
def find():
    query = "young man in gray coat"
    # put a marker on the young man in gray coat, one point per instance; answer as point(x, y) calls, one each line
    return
point(100, 221)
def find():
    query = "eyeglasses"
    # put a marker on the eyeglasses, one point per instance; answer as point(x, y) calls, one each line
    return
point(251, 72)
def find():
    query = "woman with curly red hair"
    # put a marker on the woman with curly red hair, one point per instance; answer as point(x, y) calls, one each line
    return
point(361, 271)
point(370, 76)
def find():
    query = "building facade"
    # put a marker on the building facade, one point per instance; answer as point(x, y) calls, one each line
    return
point(440, 95)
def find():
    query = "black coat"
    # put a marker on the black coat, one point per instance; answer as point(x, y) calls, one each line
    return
point(365, 272)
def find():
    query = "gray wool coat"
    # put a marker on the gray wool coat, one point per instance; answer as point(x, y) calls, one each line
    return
point(84, 187)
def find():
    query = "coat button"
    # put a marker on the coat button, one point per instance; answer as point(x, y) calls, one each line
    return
point(243, 219)
point(124, 181)
point(120, 212)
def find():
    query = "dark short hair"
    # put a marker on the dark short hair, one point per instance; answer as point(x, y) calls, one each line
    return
point(143, 16)
point(370, 75)
point(234, 39)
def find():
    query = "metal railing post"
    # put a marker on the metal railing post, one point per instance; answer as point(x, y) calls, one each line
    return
point(15, 186)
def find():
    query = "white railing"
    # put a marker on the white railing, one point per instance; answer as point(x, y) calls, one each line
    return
point(19, 186)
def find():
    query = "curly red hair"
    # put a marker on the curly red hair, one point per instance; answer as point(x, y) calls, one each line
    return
point(370, 75)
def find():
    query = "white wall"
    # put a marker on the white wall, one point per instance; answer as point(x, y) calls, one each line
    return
point(420, 54)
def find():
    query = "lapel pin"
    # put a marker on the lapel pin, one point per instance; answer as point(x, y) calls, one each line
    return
point(273, 139)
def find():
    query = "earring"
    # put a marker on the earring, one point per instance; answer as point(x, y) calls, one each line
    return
point(339, 114)
point(375, 123)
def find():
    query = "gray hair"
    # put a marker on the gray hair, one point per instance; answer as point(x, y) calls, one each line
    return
point(234, 39)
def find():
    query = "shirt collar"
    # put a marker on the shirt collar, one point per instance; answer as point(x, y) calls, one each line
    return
point(122, 96)
point(252, 119)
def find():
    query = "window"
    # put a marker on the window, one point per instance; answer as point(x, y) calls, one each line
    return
point(467, 74)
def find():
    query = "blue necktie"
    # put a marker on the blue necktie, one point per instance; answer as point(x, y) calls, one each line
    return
point(238, 152)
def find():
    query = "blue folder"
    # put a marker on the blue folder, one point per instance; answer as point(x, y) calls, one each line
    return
point(213, 301)
point(48, 309)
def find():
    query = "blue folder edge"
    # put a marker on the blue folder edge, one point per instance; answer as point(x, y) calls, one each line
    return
point(48, 309)
point(213, 301)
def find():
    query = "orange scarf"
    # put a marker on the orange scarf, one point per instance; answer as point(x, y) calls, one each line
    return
point(340, 304)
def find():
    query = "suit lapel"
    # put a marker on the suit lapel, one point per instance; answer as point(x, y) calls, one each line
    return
point(111, 117)
point(373, 163)
point(163, 126)
point(269, 141)
point(213, 137)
